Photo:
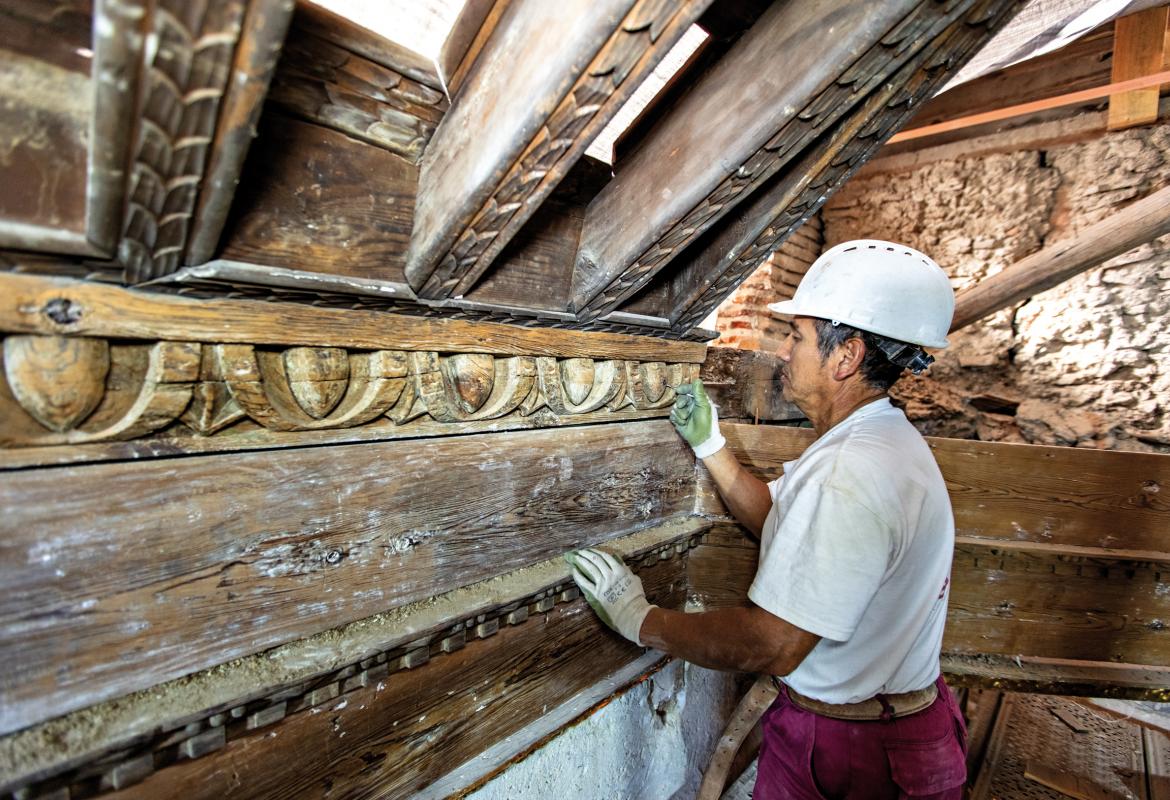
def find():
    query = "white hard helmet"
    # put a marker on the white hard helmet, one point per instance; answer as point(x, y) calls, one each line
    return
point(881, 287)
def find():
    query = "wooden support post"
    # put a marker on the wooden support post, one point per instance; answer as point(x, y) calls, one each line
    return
point(1140, 222)
point(548, 78)
point(720, 142)
point(1139, 49)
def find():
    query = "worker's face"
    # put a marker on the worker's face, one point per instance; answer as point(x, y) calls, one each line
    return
point(804, 375)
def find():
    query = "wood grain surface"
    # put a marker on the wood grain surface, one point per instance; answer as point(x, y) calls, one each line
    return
point(313, 198)
point(140, 573)
point(31, 304)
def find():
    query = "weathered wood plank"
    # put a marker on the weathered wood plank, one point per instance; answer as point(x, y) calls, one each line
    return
point(396, 736)
point(1058, 676)
point(244, 552)
point(466, 41)
point(721, 569)
point(313, 198)
point(44, 123)
point(34, 304)
point(1056, 606)
point(1139, 49)
point(548, 79)
point(1088, 501)
point(1137, 223)
point(719, 143)
point(303, 674)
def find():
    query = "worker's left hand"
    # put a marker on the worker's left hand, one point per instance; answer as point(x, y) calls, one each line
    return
point(615, 592)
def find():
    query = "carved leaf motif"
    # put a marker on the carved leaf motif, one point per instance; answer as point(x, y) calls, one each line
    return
point(580, 385)
point(472, 377)
point(212, 406)
point(58, 380)
point(260, 383)
point(182, 83)
point(146, 388)
point(447, 399)
point(577, 378)
point(318, 377)
point(651, 384)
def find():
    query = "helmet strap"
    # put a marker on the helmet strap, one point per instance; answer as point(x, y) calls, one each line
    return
point(908, 356)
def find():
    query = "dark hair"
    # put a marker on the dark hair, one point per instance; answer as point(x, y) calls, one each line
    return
point(876, 369)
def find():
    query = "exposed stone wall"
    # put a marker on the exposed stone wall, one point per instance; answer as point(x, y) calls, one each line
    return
point(1086, 363)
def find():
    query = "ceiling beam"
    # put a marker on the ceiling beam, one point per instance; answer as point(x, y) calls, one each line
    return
point(546, 81)
point(723, 259)
point(791, 77)
point(1139, 222)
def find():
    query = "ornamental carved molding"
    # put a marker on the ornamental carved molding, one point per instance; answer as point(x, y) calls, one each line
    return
point(71, 390)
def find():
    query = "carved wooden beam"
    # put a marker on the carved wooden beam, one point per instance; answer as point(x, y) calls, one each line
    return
point(720, 143)
point(58, 306)
point(108, 394)
point(471, 31)
point(265, 25)
point(181, 84)
point(737, 245)
point(1140, 222)
point(547, 80)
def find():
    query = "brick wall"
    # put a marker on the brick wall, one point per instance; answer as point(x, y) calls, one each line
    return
point(743, 320)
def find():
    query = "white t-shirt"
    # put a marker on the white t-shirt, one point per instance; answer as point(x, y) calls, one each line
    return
point(857, 549)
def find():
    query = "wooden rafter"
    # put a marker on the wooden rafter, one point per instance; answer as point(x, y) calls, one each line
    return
point(522, 117)
point(720, 143)
point(265, 26)
point(1139, 222)
point(718, 262)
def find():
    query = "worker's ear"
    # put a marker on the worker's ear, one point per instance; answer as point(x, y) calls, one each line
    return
point(849, 357)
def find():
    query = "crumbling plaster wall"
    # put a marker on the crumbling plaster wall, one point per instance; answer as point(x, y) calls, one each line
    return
point(1086, 363)
point(652, 742)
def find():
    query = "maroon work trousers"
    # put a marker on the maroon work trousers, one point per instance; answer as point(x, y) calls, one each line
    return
point(805, 756)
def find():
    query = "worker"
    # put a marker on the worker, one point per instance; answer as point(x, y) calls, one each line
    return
point(849, 599)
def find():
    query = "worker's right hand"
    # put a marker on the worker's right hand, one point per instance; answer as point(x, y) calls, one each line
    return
point(696, 419)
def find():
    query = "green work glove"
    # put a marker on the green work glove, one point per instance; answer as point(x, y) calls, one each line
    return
point(695, 417)
point(615, 592)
